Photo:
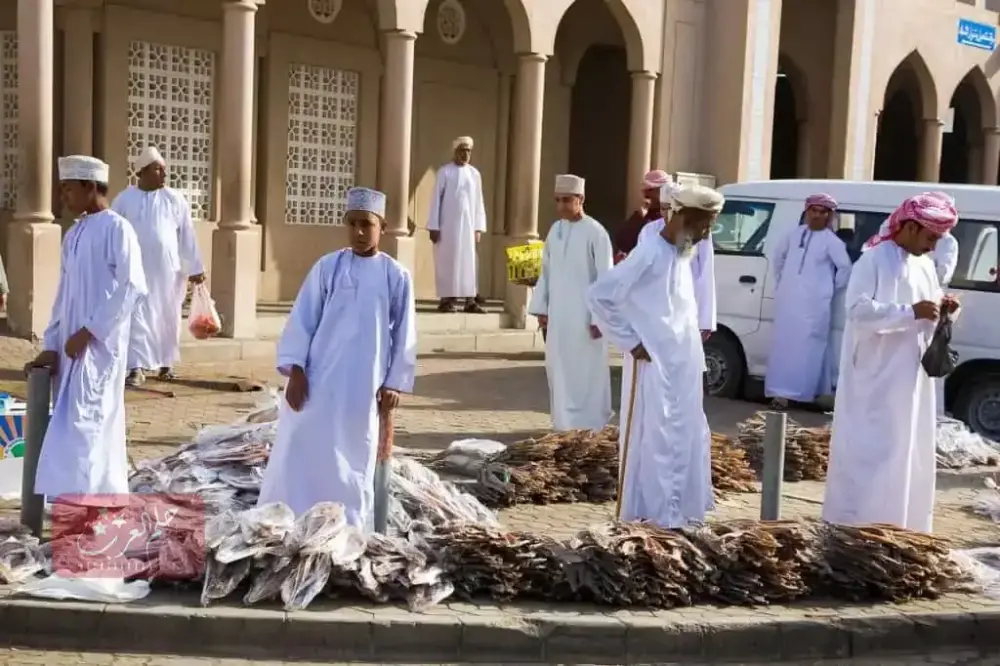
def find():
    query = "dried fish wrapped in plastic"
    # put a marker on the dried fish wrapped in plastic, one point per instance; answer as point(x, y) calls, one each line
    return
point(417, 493)
point(312, 540)
point(21, 557)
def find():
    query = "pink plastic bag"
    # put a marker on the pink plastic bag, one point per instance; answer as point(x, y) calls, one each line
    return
point(203, 321)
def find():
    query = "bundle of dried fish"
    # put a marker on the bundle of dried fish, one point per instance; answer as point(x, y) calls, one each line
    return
point(392, 569)
point(419, 495)
point(234, 541)
point(481, 560)
point(582, 466)
point(730, 470)
point(637, 564)
point(958, 447)
point(886, 563)
point(21, 554)
point(807, 450)
point(756, 563)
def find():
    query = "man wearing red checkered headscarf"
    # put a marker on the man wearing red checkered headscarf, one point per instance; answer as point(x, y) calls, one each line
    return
point(882, 454)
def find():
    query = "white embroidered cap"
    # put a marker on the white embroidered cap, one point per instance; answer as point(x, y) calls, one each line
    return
point(567, 183)
point(370, 201)
point(697, 196)
point(83, 167)
point(463, 141)
point(149, 156)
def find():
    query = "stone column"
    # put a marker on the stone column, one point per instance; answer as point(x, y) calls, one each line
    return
point(525, 169)
point(395, 143)
point(236, 243)
point(991, 155)
point(78, 27)
point(640, 142)
point(930, 151)
point(33, 241)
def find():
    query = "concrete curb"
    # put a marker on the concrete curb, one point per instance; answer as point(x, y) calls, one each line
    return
point(484, 634)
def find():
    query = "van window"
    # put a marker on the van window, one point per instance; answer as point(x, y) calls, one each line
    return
point(742, 227)
point(978, 255)
point(978, 246)
point(855, 227)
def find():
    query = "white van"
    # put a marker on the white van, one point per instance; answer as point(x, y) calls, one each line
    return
point(757, 214)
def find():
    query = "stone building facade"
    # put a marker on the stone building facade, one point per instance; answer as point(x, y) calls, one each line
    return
point(268, 111)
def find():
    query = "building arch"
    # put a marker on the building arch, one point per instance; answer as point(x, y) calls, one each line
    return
point(909, 100)
point(409, 16)
point(789, 135)
point(974, 113)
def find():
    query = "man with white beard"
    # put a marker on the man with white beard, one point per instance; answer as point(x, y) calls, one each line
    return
point(161, 217)
point(702, 265)
point(577, 252)
point(810, 265)
point(882, 454)
point(456, 223)
point(647, 304)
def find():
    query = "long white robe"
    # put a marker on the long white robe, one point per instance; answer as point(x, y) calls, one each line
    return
point(100, 279)
point(353, 330)
point(809, 268)
point(882, 456)
point(576, 254)
point(649, 298)
point(458, 212)
point(945, 256)
point(703, 271)
point(162, 222)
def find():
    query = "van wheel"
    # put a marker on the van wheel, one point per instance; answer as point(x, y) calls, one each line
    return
point(978, 404)
point(724, 377)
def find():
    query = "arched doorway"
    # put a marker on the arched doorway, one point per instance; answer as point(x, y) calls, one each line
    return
point(789, 105)
point(962, 148)
point(909, 98)
point(591, 50)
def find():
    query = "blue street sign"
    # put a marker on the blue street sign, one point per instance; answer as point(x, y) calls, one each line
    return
point(977, 35)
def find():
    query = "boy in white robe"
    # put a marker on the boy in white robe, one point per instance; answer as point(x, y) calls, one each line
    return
point(882, 454)
point(456, 222)
point(161, 217)
point(86, 342)
point(810, 265)
point(577, 252)
point(647, 304)
point(349, 350)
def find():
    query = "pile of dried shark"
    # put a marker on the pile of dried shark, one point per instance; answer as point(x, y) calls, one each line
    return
point(740, 562)
point(807, 450)
point(224, 465)
point(582, 466)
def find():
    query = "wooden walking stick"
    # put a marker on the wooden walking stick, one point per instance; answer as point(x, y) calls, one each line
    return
point(623, 463)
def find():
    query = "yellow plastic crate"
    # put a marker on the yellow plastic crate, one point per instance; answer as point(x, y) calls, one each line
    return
point(524, 262)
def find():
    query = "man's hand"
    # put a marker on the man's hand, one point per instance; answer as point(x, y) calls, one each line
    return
point(388, 399)
point(640, 353)
point(297, 389)
point(435, 236)
point(45, 359)
point(78, 342)
point(479, 236)
point(950, 303)
point(595, 333)
point(705, 335)
point(197, 279)
point(543, 321)
point(926, 310)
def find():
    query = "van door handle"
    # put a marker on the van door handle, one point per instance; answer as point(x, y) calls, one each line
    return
point(748, 279)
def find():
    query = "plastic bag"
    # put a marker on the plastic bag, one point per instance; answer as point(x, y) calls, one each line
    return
point(204, 321)
point(940, 359)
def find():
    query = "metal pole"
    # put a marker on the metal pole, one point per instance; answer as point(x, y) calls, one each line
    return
point(37, 422)
point(774, 465)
